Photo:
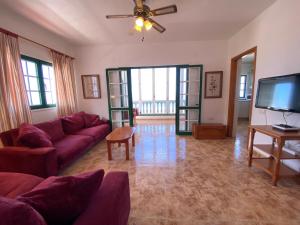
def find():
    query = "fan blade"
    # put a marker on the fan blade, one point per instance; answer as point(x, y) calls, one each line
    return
point(138, 3)
point(157, 26)
point(118, 16)
point(164, 10)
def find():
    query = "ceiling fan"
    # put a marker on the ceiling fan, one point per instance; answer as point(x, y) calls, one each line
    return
point(142, 13)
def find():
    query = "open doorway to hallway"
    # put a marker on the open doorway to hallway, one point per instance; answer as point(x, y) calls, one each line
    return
point(244, 98)
point(242, 80)
point(154, 94)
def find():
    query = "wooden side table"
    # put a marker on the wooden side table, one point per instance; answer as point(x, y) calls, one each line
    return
point(272, 164)
point(120, 135)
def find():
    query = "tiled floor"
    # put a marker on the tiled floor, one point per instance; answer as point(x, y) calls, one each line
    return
point(182, 181)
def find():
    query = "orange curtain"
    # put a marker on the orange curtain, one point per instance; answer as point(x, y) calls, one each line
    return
point(65, 83)
point(14, 105)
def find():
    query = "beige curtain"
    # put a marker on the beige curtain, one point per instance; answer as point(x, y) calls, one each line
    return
point(65, 83)
point(14, 105)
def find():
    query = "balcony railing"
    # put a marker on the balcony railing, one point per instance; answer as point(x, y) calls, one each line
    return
point(155, 107)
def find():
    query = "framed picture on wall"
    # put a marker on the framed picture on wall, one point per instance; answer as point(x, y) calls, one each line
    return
point(91, 86)
point(213, 84)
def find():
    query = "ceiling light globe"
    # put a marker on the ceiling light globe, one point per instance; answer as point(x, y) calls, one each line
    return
point(139, 22)
point(138, 28)
point(148, 25)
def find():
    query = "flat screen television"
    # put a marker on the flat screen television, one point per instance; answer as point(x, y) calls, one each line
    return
point(280, 93)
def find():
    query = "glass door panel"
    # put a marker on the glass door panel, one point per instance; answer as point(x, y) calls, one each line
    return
point(188, 98)
point(187, 118)
point(119, 97)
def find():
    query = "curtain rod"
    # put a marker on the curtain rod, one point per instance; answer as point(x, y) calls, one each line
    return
point(27, 39)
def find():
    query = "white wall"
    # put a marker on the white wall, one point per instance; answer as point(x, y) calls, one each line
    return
point(95, 59)
point(276, 34)
point(21, 26)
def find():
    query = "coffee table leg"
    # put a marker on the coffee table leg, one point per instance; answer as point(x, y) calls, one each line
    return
point(119, 144)
point(109, 150)
point(133, 140)
point(127, 150)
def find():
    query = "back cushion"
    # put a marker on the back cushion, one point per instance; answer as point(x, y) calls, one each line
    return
point(53, 128)
point(14, 184)
point(33, 137)
point(73, 123)
point(62, 199)
point(9, 138)
point(13, 212)
point(92, 120)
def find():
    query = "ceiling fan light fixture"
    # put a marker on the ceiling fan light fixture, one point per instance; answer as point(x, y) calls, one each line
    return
point(139, 22)
point(148, 25)
point(138, 28)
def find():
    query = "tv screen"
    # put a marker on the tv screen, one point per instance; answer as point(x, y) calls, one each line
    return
point(279, 93)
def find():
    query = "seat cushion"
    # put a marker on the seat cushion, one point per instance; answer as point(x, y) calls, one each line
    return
point(97, 132)
point(13, 212)
point(60, 200)
point(14, 184)
point(33, 137)
point(73, 123)
point(71, 146)
point(53, 128)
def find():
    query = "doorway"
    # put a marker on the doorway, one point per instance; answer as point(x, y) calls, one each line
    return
point(242, 77)
point(167, 93)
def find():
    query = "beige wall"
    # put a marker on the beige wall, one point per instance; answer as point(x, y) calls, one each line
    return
point(276, 34)
point(95, 59)
point(16, 23)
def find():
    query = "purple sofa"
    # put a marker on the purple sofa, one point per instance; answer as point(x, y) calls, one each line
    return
point(68, 144)
point(110, 205)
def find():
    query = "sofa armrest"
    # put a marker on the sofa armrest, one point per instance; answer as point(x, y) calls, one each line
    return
point(41, 162)
point(111, 204)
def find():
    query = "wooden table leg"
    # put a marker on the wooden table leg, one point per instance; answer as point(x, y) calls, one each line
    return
point(119, 144)
point(109, 150)
point(250, 147)
point(133, 140)
point(275, 176)
point(127, 149)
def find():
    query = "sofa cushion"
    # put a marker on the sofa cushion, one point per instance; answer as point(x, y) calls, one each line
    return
point(71, 146)
point(33, 137)
point(53, 128)
point(60, 200)
point(92, 120)
point(14, 212)
point(14, 184)
point(73, 122)
point(97, 132)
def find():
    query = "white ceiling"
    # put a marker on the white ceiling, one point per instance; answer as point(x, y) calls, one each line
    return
point(83, 21)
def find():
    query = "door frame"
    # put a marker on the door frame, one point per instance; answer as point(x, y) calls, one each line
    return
point(178, 107)
point(129, 108)
point(232, 88)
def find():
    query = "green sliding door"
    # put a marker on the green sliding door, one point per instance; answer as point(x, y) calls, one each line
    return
point(188, 97)
point(119, 97)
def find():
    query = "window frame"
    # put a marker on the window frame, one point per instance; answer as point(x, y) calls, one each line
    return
point(245, 86)
point(40, 78)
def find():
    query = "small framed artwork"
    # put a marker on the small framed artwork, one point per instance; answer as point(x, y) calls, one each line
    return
point(213, 84)
point(91, 86)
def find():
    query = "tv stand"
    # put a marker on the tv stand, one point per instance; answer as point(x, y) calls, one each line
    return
point(285, 127)
point(272, 164)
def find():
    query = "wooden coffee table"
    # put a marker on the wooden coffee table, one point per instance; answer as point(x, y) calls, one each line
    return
point(120, 135)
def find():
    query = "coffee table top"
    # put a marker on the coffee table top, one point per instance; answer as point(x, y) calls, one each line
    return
point(121, 134)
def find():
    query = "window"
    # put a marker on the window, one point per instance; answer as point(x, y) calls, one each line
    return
point(40, 83)
point(243, 84)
